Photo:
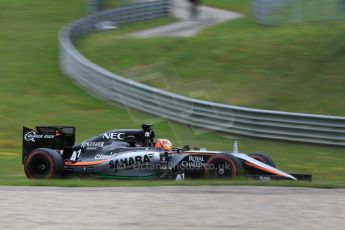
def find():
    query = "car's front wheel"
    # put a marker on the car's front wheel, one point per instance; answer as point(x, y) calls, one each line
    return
point(43, 164)
point(222, 166)
point(263, 158)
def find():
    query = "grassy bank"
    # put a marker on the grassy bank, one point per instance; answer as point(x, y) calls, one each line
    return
point(33, 91)
point(240, 6)
point(298, 68)
point(144, 183)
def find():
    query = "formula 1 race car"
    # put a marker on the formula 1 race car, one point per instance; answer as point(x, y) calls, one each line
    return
point(50, 152)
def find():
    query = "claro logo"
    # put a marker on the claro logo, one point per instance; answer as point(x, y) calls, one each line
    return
point(104, 156)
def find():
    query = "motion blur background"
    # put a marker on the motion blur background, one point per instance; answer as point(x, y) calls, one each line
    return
point(286, 55)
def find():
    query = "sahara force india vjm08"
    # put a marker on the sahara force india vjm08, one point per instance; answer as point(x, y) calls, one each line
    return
point(50, 152)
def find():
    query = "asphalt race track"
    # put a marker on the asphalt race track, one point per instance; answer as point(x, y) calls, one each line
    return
point(171, 208)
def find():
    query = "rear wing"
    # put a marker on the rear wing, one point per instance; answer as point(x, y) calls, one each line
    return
point(54, 137)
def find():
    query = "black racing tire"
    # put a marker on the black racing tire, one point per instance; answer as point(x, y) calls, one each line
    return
point(263, 158)
point(44, 164)
point(223, 166)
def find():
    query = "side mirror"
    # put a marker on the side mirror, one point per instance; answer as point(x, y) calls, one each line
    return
point(147, 127)
point(130, 139)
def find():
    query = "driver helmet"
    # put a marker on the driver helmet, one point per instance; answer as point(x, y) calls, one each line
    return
point(164, 144)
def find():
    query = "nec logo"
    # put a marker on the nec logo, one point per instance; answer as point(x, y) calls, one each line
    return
point(114, 136)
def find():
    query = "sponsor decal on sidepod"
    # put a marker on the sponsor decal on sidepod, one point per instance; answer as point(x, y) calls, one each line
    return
point(92, 144)
point(114, 136)
point(104, 157)
point(194, 162)
point(130, 161)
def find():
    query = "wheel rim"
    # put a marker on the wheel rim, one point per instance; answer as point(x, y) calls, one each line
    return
point(39, 167)
point(220, 169)
point(260, 159)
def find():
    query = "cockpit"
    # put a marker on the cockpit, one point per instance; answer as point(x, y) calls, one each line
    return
point(126, 137)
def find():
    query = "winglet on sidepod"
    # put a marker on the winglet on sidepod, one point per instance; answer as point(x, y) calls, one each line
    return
point(235, 148)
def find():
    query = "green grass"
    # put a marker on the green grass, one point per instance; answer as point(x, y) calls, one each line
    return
point(33, 91)
point(297, 68)
point(143, 183)
point(241, 6)
point(308, 11)
point(109, 4)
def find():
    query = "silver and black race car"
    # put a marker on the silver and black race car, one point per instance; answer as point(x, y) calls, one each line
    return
point(50, 152)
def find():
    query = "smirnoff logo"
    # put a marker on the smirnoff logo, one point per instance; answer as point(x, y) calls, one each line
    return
point(92, 144)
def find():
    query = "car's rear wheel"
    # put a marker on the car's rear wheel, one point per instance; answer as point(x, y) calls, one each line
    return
point(44, 164)
point(263, 158)
point(223, 166)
